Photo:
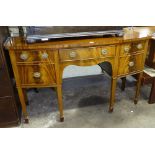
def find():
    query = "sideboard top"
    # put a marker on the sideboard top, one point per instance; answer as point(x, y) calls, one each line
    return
point(132, 34)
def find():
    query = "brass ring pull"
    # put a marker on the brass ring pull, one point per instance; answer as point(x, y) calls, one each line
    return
point(37, 75)
point(127, 48)
point(104, 51)
point(72, 54)
point(44, 55)
point(131, 64)
point(24, 56)
point(139, 46)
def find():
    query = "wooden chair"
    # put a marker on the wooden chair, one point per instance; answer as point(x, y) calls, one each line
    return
point(146, 79)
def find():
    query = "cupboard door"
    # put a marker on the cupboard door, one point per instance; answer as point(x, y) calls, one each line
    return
point(4, 83)
point(8, 113)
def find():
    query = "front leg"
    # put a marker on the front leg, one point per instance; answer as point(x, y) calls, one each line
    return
point(22, 101)
point(112, 96)
point(60, 103)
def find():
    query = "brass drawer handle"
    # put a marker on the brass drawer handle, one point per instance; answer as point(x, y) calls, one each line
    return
point(24, 56)
point(131, 64)
point(72, 54)
point(44, 55)
point(139, 46)
point(104, 51)
point(127, 48)
point(37, 75)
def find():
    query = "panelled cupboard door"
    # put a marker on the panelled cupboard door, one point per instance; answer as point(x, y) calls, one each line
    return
point(4, 83)
point(8, 112)
point(1, 63)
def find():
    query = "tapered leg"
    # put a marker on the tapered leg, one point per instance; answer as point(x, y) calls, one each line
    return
point(25, 96)
point(123, 83)
point(152, 93)
point(112, 96)
point(138, 85)
point(60, 103)
point(22, 101)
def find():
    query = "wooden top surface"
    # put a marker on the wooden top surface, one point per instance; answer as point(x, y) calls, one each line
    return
point(132, 34)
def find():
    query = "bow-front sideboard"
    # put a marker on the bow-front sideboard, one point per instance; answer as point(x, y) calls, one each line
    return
point(40, 65)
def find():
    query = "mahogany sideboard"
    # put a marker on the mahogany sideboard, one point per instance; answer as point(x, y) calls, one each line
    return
point(41, 64)
point(9, 103)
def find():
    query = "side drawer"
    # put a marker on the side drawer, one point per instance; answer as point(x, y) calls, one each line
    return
point(130, 64)
point(26, 56)
point(132, 48)
point(37, 75)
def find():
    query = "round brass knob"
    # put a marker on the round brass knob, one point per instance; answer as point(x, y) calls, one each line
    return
point(44, 55)
point(131, 64)
point(24, 56)
point(37, 75)
point(104, 51)
point(72, 54)
point(127, 48)
point(139, 46)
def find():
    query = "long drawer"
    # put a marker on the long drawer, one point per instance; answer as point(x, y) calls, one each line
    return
point(31, 56)
point(40, 75)
point(86, 53)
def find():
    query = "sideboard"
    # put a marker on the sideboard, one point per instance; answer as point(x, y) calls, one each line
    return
point(40, 65)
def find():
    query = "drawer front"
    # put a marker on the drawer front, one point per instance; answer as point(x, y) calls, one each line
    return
point(86, 53)
point(34, 56)
point(138, 46)
point(106, 51)
point(131, 48)
point(37, 74)
point(130, 64)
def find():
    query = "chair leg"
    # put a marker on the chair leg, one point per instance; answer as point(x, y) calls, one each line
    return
point(123, 83)
point(152, 93)
point(36, 90)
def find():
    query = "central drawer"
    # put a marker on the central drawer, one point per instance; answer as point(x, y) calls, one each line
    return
point(32, 75)
point(86, 53)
